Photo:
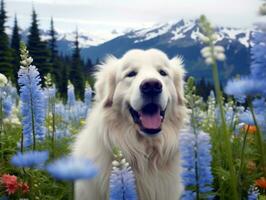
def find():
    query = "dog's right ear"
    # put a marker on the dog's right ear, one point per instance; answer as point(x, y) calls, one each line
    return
point(106, 81)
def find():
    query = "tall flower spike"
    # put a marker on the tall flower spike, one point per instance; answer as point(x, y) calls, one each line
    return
point(254, 84)
point(196, 163)
point(211, 52)
point(71, 99)
point(122, 181)
point(32, 100)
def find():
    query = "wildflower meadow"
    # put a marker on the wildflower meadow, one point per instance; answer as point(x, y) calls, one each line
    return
point(222, 148)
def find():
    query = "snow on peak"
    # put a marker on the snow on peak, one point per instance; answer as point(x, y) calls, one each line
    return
point(186, 29)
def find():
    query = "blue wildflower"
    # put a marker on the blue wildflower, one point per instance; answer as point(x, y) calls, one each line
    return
point(72, 168)
point(49, 94)
point(253, 193)
point(88, 96)
point(32, 100)
point(241, 88)
point(188, 195)
point(258, 52)
point(7, 106)
point(122, 181)
point(122, 185)
point(62, 133)
point(71, 99)
point(255, 84)
point(30, 159)
point(196, 163)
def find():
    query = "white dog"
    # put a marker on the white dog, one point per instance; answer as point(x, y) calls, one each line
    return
point(139, 107)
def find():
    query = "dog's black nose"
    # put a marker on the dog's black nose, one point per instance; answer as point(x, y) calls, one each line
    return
point(151, 87)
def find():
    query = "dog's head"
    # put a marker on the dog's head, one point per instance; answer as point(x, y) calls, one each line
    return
point(144, 87)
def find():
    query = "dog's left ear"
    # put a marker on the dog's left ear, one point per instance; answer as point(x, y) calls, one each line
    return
point(106, 81)
point(179, 73)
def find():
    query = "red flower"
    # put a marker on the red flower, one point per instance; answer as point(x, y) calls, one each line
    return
point(10, 182)
point(24, 187)
point(261, 182)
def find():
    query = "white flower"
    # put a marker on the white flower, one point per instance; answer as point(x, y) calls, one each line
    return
point(115, 163)
point(206, 52)
point(23, 62)
point(203, 38)
point(214, 36)
point(29, 60)
point(15, 121)
point(218, 49)
point(209, 60)
point(126, 165)
point(123, 161)
point(220, 56)
point(3, 80)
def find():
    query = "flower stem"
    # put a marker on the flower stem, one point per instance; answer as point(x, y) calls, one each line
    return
point(226, 141)
point(32, 118)
point(242, 158)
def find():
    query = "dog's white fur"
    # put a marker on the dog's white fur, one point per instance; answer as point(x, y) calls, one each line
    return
point(154, 160)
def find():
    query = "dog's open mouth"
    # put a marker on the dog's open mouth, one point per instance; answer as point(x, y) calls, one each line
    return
point(149, 118)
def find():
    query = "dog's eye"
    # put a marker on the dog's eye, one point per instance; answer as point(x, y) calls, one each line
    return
point(131, 74)
point(162, 72)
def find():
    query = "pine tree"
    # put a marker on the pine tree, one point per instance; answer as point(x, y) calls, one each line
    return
point(52, 42)
point(15, 44)
point(64, 80)
point(89, 69)
point(76, 72)
point(56, 63)
point(38, 49)
point(5, 50)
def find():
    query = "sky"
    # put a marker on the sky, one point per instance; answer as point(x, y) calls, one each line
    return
point(102, 16)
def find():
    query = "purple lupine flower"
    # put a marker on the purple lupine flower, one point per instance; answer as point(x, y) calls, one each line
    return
point(32, 100)
point(253, 193)
point(122, 180)
point(71, 99)
point(7, 106)
point(195, 150)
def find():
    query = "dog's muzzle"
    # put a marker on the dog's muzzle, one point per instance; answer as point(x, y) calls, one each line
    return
point(150, 116)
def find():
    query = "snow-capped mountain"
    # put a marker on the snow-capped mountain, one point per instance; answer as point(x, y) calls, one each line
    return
point(181, 38)
point(174, 38)
point(187, 30)
point(65, 40)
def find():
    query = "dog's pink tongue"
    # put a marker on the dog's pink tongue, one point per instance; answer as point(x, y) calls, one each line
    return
point(151, 121)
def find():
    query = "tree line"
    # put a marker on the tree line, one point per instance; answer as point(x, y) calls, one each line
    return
point(45, 57)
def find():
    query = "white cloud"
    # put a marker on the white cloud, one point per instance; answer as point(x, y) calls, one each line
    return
point(106, 15)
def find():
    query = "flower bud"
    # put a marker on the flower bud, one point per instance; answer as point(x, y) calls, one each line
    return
point(115, 163)
point(3, 80)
